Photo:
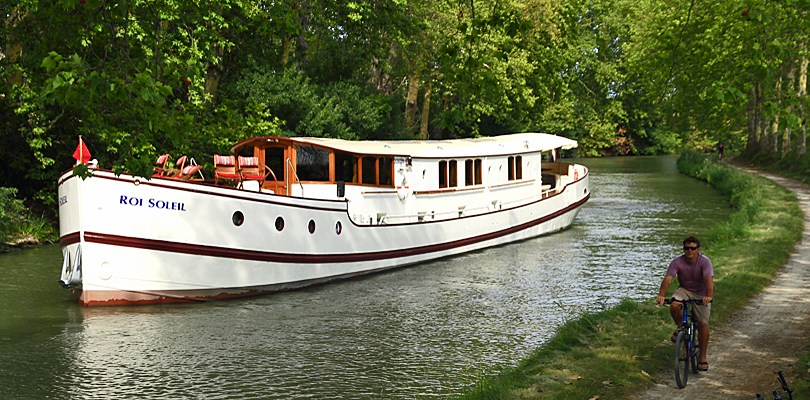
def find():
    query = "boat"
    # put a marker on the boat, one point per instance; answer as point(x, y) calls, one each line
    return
point(321, 210)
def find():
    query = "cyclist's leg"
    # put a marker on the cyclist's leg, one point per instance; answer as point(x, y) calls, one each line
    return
point(676, 312)
point(703, 336)
point(702, 313)
point(675, 308)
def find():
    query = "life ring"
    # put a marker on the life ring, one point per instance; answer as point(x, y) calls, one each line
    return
point(402, 187)
point(576, 175)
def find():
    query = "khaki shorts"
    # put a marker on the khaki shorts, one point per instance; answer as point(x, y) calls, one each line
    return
point(701, 312)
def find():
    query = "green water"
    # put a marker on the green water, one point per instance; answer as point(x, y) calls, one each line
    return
point(421, 332)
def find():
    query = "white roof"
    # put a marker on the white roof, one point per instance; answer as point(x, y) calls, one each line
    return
point(456, 148)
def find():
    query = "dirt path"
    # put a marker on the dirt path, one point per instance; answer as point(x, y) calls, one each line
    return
point(767, 335)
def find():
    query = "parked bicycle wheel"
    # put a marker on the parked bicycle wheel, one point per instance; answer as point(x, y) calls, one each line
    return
point(681, 360)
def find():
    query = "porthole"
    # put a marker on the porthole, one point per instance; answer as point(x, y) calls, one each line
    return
point(279, 223)
point(238, 218)
point(311, 226)
point(338, 227)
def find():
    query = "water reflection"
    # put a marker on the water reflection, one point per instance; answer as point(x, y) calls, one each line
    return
point(421, 332)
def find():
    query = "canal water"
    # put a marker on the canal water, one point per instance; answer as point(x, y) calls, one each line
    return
point(426, 331)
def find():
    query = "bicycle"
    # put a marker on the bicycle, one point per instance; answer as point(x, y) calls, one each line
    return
point(687, 350)
point(785, 387)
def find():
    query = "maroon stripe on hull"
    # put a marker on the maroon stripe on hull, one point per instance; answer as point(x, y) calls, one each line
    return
point(255, 255)
point(69, 239)
point(124, 297)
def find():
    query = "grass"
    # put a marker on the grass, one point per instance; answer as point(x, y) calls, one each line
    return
point(614, 353)
point(790, 166)
point(18, 224)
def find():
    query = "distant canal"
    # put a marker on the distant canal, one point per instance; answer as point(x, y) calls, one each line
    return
point(426, 331)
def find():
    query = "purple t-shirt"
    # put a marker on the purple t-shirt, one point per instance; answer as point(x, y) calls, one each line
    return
point(691, 276)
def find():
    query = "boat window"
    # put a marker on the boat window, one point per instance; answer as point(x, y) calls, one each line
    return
point(238, 218)
point(312, 164)
point(468, 172)
point(442, 174)
point(448, 174)
point(472, 172)
point(519, 167)
point(386, 171)
point(369, 175)
point(345, 167)
point(453, 172)
point(510, 164)
point(274, 158)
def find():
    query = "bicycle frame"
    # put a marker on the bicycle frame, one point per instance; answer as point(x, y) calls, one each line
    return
point(687, 333)
point(690, 325)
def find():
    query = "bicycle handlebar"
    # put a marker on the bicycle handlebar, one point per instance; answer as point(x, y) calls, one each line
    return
point(698, 301)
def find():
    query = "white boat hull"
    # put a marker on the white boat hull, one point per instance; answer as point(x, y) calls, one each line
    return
point(166, 240)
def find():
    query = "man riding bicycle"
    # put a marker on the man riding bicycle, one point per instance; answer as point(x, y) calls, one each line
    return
point(695, 278)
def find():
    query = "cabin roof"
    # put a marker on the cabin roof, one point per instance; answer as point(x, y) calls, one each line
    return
point(517, 143)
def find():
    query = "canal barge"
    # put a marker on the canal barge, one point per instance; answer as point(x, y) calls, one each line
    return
point(308, 211)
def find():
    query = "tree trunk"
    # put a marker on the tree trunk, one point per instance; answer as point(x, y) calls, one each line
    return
point(410, 102)
point(13, 48)
point(301, 44)
point(801, 145)
point(752, 119)
point(791, 79)
point(437, 131)
point(380, 77)
point(774, 137)
point(286, 44)
point(426, 112)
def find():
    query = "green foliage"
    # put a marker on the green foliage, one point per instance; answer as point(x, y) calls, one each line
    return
point(141, 78)
point(339, 110)
point(789, 165)
point(17, 222)
point(12, 213)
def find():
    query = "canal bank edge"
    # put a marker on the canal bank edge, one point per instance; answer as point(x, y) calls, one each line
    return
point(615, 353)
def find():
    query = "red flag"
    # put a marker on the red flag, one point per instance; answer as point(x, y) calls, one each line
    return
point(81, 154)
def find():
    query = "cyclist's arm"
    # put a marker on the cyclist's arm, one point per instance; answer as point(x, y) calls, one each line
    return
point(662, 293)
point(709, 289)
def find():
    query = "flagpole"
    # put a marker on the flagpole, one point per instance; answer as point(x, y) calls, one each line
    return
point(81, 152)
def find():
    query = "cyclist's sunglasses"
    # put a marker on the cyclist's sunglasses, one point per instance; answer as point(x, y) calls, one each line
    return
point(693, 248)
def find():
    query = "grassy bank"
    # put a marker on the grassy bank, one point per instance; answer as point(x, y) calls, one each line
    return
point(18, 225)
point(790, 166)
point(613, 353)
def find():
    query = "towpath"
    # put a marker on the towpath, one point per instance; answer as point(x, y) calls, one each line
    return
point(766, 335)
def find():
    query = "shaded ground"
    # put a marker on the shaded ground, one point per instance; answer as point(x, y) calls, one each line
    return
point(767, 335)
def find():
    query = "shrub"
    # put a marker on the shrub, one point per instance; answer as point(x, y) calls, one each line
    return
point(12, 214)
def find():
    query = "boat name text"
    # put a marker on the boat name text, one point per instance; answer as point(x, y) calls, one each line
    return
point(153, 203)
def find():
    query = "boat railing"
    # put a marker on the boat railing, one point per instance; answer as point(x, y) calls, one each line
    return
point(462, 211)
point(289, 164)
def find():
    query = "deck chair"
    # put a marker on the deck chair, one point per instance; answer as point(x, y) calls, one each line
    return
point(250, 170)
point(225, 170)
point(188, 171)
point(181, 163)
point(160, 165)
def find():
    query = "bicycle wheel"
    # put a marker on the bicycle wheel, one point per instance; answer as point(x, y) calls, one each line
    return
point(681, 359)
point(695, 356)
